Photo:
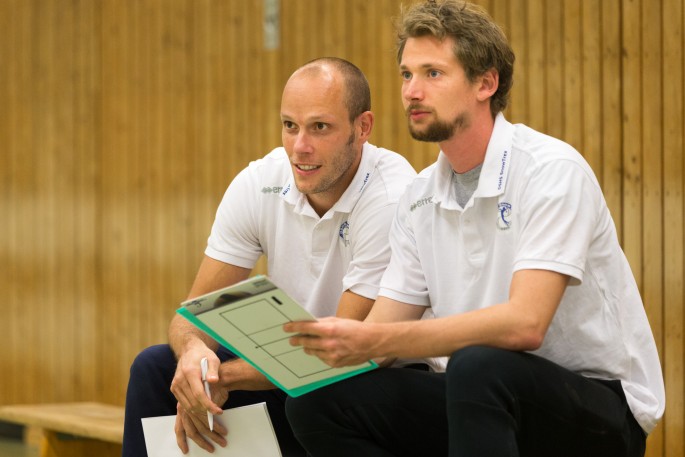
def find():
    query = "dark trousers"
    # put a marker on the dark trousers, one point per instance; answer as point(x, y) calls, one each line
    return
point(148, 395)
point(490, 402)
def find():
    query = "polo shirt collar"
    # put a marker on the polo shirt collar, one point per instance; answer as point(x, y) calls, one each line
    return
point(493, 174)
point(349, 198)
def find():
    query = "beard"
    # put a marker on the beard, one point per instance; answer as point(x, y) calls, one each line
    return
point(439, 130)
point(340, 165)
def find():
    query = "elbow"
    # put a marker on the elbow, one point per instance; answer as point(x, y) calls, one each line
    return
point(531, 341)
point(527, 337)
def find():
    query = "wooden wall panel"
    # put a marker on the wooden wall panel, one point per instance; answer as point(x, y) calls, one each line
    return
point(11, 117)
point(123, 121)
point(572, 74)
point(672, 99)
point(48, 201)
point(538, 31)
point(588, 72)
point(611, 174)
point(632, 136)
point(652, 164)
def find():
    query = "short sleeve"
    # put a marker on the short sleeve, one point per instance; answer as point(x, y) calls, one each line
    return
point(559, 218)
point(370, 250)
point(404, 279)
point(234, 237)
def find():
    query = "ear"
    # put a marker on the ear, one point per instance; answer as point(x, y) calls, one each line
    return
point(365, 125)
point(489, 82)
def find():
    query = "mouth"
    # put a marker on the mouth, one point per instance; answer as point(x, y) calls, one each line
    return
point(303, 167)
point(416, 112)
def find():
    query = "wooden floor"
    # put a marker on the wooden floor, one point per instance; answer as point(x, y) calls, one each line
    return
point(12, 447)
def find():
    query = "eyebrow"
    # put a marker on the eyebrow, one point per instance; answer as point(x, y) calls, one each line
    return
point(424, 65)
point(324, 118)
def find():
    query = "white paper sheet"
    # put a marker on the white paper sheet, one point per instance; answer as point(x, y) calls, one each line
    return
point(250, 433)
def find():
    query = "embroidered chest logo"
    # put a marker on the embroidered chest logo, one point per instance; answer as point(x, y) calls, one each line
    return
point(504, 216)
point(344, 233)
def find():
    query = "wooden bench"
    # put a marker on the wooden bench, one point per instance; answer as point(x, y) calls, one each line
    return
point(71, 429)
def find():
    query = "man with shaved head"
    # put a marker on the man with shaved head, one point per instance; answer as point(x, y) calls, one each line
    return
point(319, 208)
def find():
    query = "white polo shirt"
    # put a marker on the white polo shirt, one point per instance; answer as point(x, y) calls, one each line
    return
point(538, 205)
point(313, 258)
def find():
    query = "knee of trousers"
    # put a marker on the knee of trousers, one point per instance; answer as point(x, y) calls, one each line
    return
point(313, 411)
point(299, 410)
point(482, 373)
point(152, 361)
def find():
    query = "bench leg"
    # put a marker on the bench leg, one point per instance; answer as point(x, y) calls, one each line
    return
point(59, 445)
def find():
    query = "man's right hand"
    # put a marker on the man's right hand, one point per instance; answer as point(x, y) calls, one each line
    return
point(196, 428)
point(193, 403)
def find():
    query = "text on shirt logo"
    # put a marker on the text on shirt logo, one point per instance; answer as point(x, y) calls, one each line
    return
point(272, 190)
point(366, 179)
point(420, 203)
point(501, 171)
point(286, 190)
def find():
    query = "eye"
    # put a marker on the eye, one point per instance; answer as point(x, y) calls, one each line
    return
point(320, 126)
point(288, 125)
point(433, 73)
point(405, 75)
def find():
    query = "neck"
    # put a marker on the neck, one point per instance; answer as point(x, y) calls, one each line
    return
point(466, 149)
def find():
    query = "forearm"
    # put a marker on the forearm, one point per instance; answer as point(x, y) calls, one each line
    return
point(237, 374)
point(518, 324)
point(500, 326)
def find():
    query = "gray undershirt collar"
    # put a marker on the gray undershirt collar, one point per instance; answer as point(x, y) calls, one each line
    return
point(465, 184)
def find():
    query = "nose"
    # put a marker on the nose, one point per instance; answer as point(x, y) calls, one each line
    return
point(302, 144)
point(411, 90)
